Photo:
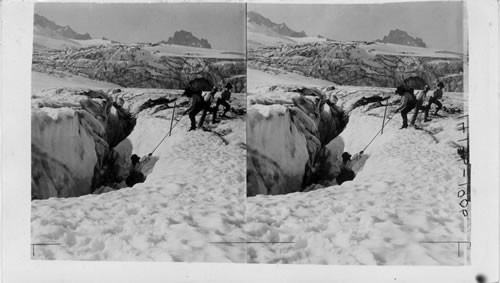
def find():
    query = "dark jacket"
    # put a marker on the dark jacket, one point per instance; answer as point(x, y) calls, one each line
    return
point(226, 95)
point(407, 101)
point(196, 103)
point(437, 94)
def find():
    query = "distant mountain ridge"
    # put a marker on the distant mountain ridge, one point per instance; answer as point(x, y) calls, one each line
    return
point(186, 38)
point(401, 37)
point(282, 29)
point(64, 31)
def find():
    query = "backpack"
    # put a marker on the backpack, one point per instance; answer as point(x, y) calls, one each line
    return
point(421, 95)
point(207, 97)
point(412, 101)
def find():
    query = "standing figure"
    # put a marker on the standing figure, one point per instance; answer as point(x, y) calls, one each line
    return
point(223, 100)
point(194, 107)
point(434, 98)
point(407, 104)
point(207, 105)
point(420, 99)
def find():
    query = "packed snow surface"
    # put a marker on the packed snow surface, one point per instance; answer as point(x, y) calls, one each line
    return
point(258, 35)
point(188, 51)
point(191, 203)
point(257, 78)
point(41, 81)
point(405, 194)
point(396, 49)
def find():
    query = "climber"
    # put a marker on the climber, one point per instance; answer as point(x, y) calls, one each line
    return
point(434, 99)
point(407, 104)
point(223, 100)
point(194, 107)
point(207, 104)
point(421, 104)
point(346, 173)
point(135, 176)
point(346, 157)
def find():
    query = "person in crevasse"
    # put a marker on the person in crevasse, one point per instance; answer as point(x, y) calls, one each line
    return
point(135, 175)
point(223, 99)
point(346, 172)
point(421, 104)
point(208, 98)
point(194, 107)
point(434, 98)
point(407, 104)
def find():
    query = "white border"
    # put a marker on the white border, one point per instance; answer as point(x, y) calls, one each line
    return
point(17, 30)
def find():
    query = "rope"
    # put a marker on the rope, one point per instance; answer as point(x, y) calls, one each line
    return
point(169, 132)
point(388, 120)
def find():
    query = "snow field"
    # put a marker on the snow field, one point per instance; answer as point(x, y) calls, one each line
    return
point(404, 194)
point(192, 197)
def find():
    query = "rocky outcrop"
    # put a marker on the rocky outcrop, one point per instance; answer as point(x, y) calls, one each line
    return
point(352, 63)
point(64, 31)
point(135, 66)
point(186, 38)
point(401, 37)
point(281, 29)
point(287, 129)
point(72, 136)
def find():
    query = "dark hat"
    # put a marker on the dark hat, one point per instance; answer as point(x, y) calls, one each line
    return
point(346, 156)
point(135, 158)
point(229, 86)
point(400, 90)
point(187, 91)
point(440, 84)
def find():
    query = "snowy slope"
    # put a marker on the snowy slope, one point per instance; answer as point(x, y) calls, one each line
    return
point(405, 194)
point(258, 35)
point(164, 49)
point(41, 81)
point(381, 217)
point(192, 199)
point(258, 78)
point(396, 49)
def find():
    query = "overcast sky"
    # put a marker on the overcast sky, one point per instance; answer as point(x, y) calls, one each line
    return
point(223, 25)
point(439, 24)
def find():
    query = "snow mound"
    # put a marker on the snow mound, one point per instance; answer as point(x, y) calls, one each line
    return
point(404, 193)
point(41, 81)
point(382, 217)
point(188, 207)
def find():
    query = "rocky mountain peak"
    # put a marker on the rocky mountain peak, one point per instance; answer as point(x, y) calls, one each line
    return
point(401, 37)
point(65, 31)
point(186, 38)
point(282, 29)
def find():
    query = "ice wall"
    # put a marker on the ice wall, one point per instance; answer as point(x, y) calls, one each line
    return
point(287, 130)
point(73, 132)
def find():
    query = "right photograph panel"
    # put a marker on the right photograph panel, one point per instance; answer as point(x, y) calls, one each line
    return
point(357, 134)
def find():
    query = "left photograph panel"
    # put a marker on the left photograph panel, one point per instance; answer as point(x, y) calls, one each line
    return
point(138, 132)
